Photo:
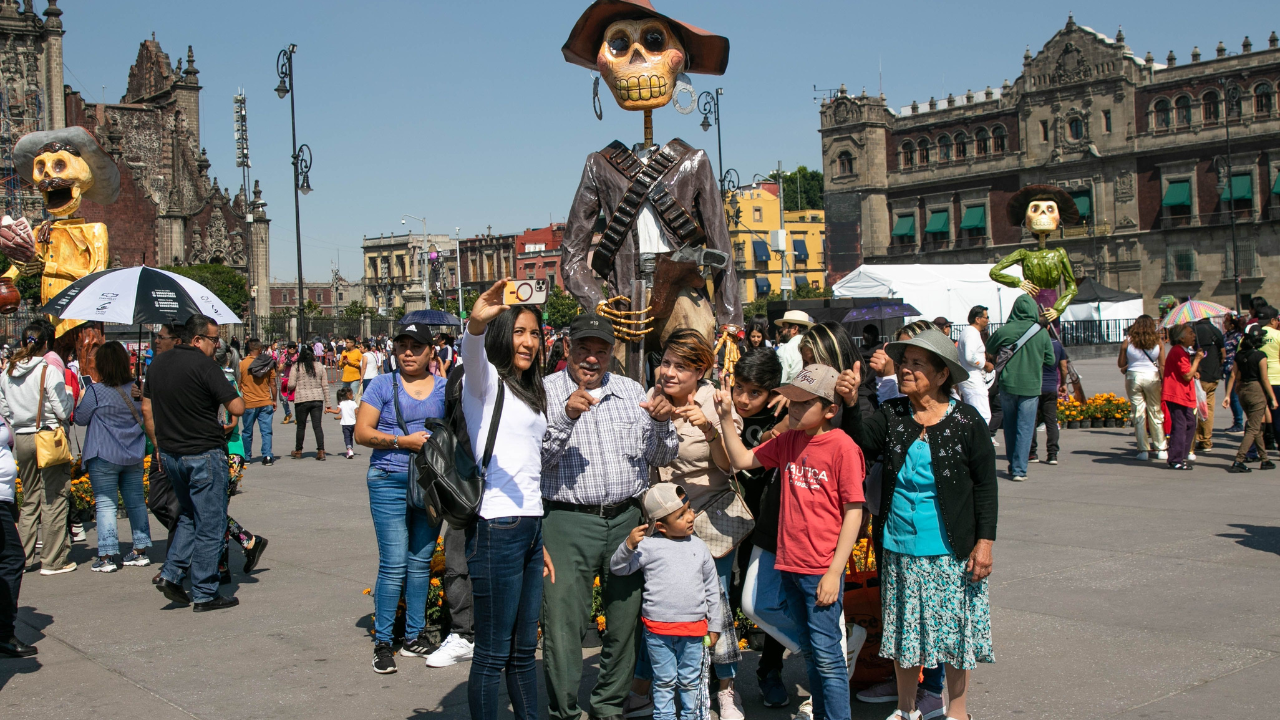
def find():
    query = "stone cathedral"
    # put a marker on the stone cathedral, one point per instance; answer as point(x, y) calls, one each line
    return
point(170, 210)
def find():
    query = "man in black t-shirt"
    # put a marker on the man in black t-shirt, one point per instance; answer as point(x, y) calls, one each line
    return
point(1209, 339)
point(180, 404)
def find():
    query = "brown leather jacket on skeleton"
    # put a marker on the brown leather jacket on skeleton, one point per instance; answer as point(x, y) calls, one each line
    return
point(692, 183)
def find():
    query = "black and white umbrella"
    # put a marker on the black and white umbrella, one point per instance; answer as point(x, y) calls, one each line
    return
point(137, 295)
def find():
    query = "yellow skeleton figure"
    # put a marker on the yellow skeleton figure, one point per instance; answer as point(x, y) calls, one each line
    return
point(66, 166)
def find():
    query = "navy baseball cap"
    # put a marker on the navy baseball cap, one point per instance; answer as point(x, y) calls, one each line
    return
point(591, 325)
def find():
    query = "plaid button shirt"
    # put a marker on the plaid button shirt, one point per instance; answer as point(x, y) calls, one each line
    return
point(603, 457)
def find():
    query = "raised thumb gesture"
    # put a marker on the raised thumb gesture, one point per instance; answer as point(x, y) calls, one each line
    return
point(488, 306)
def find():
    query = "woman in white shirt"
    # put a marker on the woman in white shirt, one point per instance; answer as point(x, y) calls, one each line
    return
point(12, 557)
point(1141, 360)
point(503, 351)
point(371, 362)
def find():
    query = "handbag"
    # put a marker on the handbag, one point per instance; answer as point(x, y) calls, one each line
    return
point(1006, 353)
point(724, 521)
point(52, 448)
point(449, 476)
point(162, 501)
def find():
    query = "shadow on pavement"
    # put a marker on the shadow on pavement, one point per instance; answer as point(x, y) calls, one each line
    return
point(9, 667)
point(1256, 537)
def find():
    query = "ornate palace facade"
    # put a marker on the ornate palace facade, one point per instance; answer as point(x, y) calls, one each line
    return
point(1141, 146)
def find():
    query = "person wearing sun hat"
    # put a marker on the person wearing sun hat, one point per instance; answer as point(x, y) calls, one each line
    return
point(791, 326)
point(936, 520)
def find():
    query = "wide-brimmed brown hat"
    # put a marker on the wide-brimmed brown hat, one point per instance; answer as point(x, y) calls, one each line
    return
point(1016, 210)
point(707, 53)
point(106, 176)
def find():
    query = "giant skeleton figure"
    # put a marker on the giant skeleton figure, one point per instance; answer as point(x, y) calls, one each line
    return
point(666, 232)
point(66, 166)
point(1043, 208)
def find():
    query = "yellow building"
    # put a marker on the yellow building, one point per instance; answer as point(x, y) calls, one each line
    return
point(759, 266)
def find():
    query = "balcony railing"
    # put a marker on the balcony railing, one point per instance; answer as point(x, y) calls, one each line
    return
point(935, 245)
point(1172, 275)
point(1218, 217)
point(900, 250)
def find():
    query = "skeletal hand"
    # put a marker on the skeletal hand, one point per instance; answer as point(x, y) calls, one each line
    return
point(1029, 287)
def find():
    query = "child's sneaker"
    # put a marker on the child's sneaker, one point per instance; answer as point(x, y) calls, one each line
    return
point(730, 707)
point(136, 559)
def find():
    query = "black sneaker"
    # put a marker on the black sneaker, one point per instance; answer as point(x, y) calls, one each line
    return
point(221, 602)
point(254, 554)
point(417, 647)
point(1239, 467)
point(1267, 465)
point(1053, 459)
point(268, 460)
point(384, 659)
point(1033, 459)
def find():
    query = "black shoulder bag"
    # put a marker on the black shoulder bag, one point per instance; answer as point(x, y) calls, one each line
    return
point(444, 475)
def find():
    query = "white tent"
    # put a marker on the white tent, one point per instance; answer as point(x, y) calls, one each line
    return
point(935, 290)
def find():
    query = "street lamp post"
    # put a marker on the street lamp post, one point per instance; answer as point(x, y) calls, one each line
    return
point(1231, 95)
point(422, 258)
point(301, 161)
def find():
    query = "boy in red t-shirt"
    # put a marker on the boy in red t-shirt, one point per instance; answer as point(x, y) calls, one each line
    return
point(822, 471)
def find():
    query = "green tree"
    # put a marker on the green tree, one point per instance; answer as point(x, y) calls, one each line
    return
point(311, 308)
point(561, 308)
point(355, 310)
point(228, 284)
point(808, 184)
point(397, 312)
point(28, 287)
point(450, 305)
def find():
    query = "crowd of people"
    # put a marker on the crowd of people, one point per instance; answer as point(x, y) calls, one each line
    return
point(1172, 378)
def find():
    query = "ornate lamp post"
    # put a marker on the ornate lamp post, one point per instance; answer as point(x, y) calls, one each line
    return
point(1231, 96)
point(301, 161)
point(422, 258)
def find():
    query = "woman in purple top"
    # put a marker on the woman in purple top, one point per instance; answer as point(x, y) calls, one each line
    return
point(114, 446)
point(406, 536)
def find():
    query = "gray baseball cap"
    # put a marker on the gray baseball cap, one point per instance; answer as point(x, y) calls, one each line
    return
point(938, 344)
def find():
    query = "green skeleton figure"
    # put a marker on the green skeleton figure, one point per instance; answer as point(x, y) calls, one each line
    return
point(1042, 269)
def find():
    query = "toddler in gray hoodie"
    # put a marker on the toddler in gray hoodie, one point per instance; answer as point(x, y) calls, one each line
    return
point(681, 597)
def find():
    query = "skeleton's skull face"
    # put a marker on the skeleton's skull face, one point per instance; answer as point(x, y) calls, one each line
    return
point(62, 177)
point(640, 59)
point(1042, 216)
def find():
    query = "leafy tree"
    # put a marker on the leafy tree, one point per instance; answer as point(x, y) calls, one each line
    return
point(810, 189)
point(355, 310)
point(759, 305)
point(311, 308)
point(450, 305)
point(228, 284)
point(397, 312)
point(561, 308)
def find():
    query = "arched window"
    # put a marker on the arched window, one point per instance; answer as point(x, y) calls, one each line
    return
point(962, 146)
point(944, 149)
point(1164, 115)
point(1263, 99)
point(908, 154)
point(983, 141)
point(1182, 110)
point(1210, 107)
point(1076, 127)
point(998, 139)
point(923, 147)
point(844, 163)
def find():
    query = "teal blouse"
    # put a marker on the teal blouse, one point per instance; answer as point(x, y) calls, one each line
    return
point(914, 526)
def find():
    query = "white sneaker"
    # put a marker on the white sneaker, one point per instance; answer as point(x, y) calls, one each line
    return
point(69, 567)
point(1191, 456)
point(452, 651)
point(77, 532)
point(1162, 455)
point(805, 711)
point(1144, 455)
point(995, 442)
point(730, 705)
point(899, 715)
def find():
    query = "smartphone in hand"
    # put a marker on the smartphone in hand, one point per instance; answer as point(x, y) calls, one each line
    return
point(524, 292)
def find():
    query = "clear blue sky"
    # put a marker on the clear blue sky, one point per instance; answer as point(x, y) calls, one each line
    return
point(466, 114)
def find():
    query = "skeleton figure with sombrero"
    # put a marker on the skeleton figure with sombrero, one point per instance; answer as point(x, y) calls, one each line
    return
point(66, 166)
point(666, 233)
point(1042, 208)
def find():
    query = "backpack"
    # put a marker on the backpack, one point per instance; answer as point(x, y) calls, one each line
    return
point(451, 480)
point(1007, 352)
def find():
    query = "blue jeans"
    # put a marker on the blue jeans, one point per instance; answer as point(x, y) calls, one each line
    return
point(200, 482)
point(677, 668)
point(110, 480)
point(504, 557)
point(820, 643)
point(1019, 426)
point(284, 405)
point(1237, 410)
point(725, 671)
point(406, 541)
point(764, 602)
point(263, 416)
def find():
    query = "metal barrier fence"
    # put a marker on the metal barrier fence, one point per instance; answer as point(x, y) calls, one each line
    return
point(1075, 332)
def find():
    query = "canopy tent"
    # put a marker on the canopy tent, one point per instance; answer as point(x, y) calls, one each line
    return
point(1096, 301)
point(948, 291)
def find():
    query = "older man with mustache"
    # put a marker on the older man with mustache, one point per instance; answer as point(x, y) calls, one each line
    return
point(602, 436)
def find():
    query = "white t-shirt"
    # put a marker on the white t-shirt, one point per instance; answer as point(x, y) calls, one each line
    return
point(513, 486)
point(8, 468)
point(372, 365)
point(973, 355)
point(348, 409)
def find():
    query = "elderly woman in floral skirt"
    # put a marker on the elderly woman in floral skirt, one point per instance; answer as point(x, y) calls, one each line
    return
point(937, 519)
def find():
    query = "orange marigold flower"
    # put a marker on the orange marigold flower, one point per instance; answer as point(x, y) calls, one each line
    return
point(600, 623)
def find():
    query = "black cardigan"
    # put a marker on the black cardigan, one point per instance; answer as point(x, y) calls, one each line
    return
point(964, 466)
